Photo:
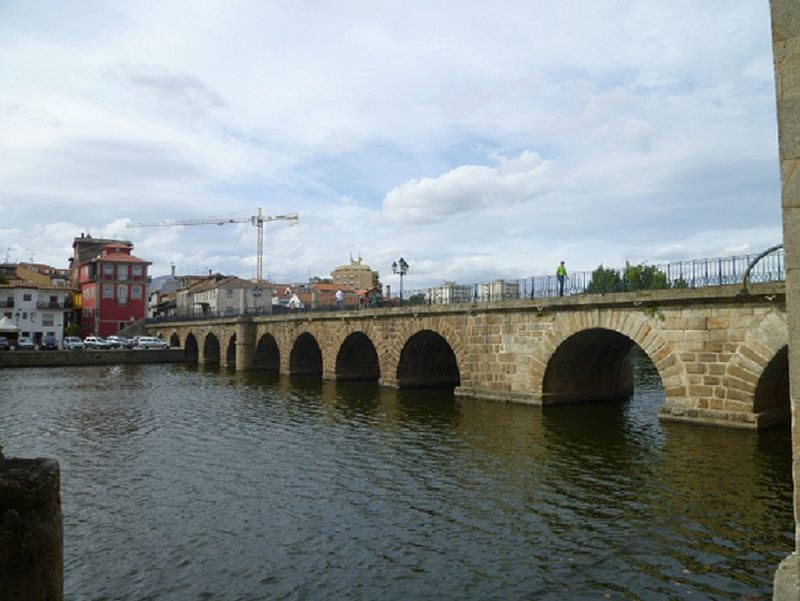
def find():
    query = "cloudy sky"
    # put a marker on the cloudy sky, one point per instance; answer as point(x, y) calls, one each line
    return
point(476, 140)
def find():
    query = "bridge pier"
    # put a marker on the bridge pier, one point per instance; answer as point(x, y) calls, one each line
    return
point(785, 16)
point(245, 344)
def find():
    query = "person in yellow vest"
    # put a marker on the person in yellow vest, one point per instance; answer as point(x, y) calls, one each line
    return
point(561, 275)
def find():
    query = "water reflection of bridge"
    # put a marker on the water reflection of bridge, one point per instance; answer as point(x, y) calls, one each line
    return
point(721, 355)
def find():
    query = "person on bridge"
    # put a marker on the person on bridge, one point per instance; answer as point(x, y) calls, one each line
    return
point(561, 275)
point(339, 299)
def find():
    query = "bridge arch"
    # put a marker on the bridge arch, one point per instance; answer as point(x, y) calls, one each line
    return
point(211, 351)
point(306, 356)
point(591, 365)
point(230, 352)
point(190, 350)
point(357, 359)
point(586, 358)
point(426, 360)
point(174, 340)
point(267, 355)
point(757, 375)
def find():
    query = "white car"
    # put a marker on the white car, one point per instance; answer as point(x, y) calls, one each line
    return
point(24, 343)
point(147, 342)
point(72, 343)
point(95, 342)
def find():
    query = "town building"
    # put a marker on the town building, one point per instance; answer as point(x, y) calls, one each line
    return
point(218, 295)
point(112, 284)
point(36, 310)
point(355, 276)
point(450, 292)
point(498, 290)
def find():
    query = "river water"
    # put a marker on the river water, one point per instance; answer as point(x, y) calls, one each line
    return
point(185, 483)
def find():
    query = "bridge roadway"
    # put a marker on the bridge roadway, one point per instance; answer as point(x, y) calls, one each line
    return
point(722, 356)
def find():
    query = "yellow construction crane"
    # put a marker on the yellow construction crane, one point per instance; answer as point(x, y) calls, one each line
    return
point(257, 220)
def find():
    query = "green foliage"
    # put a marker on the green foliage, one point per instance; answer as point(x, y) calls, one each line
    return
point(604, 280)
point(644, 277)
point(3, 278)
point(634, 277)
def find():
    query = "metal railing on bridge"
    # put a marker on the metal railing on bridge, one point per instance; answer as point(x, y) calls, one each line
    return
point(699, 273)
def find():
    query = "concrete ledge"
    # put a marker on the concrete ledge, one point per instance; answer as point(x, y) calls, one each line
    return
point(88, 357)
point(503, 396)
point(709, 417)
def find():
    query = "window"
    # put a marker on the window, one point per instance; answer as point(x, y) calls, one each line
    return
point(122, 294)
point(108, 271)
point(229, 292)
point(136, 292)
point(136, 272)
point(26, 297)
point(122, 272)
point(47, 319)
point(108, 290)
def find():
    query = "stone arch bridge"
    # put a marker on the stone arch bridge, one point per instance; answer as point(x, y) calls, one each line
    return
point(721, 355)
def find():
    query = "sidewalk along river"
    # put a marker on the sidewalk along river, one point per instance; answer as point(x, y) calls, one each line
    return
point(187, 483)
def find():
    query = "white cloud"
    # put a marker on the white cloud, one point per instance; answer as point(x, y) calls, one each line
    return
point(470, 188)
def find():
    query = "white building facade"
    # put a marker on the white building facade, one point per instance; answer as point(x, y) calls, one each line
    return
point(36, 312)
point(448, 293)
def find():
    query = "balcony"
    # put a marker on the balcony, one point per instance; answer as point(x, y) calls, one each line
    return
point(59, 304)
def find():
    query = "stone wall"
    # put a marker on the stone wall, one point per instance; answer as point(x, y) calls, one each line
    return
point(87, 357)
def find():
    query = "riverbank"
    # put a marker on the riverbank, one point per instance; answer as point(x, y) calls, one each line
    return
point(61, 358)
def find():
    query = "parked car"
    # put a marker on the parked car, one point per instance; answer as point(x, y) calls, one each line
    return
point(4, 344)
point(96, 342)
point(48, 343)
point(24, 343)
point(72, 343)
point(147, 342)
point(115, 341)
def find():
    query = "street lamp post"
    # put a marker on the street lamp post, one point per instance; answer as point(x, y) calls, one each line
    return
point(400, 267)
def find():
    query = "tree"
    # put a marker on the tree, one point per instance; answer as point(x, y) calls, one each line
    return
point(604, 280)
point(3, 278)
point(643, 277)
point(634, 277)
point(416, 299)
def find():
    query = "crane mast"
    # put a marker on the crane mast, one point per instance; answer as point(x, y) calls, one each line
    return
point(257, 220)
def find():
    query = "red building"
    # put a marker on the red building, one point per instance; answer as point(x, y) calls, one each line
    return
point(113, 287)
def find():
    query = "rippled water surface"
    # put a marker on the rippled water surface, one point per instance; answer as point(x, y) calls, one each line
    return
point(179, 483)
